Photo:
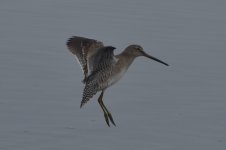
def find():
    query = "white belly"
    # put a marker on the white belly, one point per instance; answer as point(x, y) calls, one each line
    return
point(113, 79)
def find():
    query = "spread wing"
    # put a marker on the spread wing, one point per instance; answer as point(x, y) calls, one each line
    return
point(103, 62)
point(84, 49)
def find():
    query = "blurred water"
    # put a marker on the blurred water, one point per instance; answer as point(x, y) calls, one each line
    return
point(155, 107)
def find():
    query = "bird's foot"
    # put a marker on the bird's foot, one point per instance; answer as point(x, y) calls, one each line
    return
point(111, 119)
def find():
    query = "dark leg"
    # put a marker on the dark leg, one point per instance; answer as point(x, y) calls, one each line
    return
point(107, 114)
point(102, 107)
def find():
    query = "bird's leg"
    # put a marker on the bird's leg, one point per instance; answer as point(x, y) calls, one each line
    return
point(107, 114)
point(100, 100)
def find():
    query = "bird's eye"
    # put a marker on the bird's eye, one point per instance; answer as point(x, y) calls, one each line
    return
point(137, 47)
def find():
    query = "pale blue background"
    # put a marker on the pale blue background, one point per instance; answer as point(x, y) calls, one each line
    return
point(181, 107)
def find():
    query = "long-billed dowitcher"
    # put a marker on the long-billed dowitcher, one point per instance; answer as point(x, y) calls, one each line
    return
point(101, 67)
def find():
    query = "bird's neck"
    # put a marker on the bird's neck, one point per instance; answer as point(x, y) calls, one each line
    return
point(125, 59)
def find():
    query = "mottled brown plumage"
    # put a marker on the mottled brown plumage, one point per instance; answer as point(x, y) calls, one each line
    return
point(101, 67)
point(84, 49)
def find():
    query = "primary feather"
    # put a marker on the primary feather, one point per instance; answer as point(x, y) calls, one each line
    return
point(104, 62)
point(97, 62)
point(84, 49)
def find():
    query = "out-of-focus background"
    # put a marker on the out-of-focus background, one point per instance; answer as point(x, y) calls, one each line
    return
point(180, 107)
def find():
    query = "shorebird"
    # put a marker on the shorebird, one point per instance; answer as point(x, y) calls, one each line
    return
point(101, 67)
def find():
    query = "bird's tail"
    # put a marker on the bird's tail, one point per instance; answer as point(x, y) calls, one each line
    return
point(88, 92)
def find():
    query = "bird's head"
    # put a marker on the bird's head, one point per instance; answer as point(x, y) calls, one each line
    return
point(137, 50)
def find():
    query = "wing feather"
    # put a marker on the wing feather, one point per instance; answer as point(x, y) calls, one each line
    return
point(104, 62)
point(83, 48)
point(96, 61)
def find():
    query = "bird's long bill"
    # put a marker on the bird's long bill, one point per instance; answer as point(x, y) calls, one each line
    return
point(156, 59)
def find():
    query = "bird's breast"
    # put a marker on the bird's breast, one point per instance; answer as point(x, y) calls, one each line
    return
point(116, 76)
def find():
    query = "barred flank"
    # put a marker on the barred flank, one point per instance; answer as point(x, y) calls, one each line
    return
point(98, 79)
point(88, 93)
point(95, 83)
